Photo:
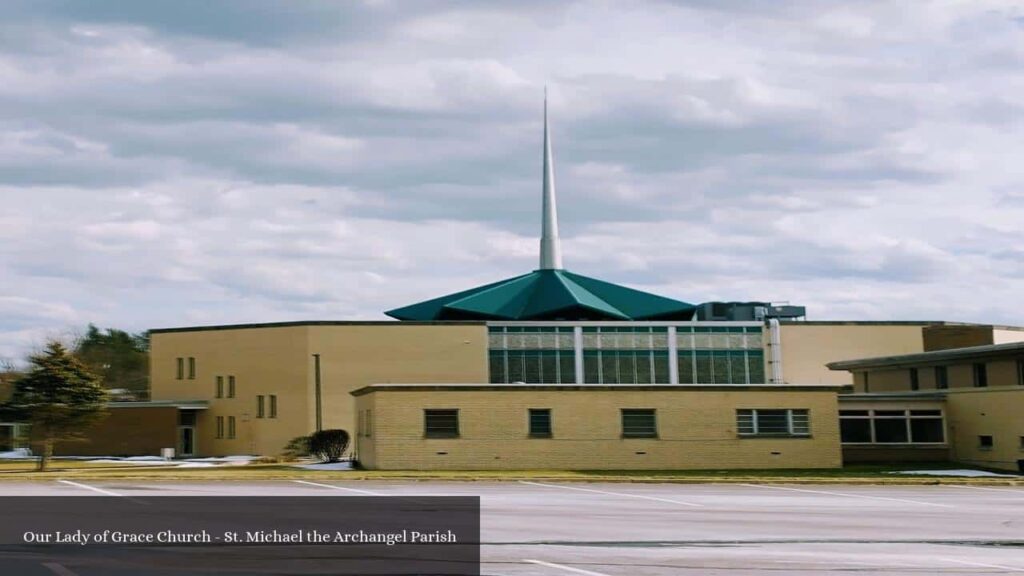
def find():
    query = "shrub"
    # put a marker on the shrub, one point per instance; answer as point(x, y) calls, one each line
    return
point(297, 447)
point(328, 445)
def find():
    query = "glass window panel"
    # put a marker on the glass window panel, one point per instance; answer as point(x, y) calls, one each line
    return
point(901, 413)
point(549, 368)
point(531, 369)
point(639, 423)
point(627, 368)
point(853, 413)
point(609, 368)
point(592, 367)
point(926, 412)
point(440, 423)
point(643, 367)
point(540, 422)
point(927, 430)
point(737, 368)
point(567, 368)
point(497, 368)
point(515, 366)
point(686, 374)
point(661, 375)
point(745, 421)
point(853, 430)
point(891, 430)
point(720, 368)
point(755, 366)
point(772, 422)
point(801, 421)
point(704, 373)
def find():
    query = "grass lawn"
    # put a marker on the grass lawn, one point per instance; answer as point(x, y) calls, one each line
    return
point(858, 474)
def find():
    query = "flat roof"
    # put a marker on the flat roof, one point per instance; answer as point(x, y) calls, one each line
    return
point(312, 323)
point(455, 387)
point(937, 356)
point(181, 404)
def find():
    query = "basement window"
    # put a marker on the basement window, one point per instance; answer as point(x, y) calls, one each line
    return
point(985, 442)
point(540, 423)
point(639, 423)
point(441, 423)
point(773, 422)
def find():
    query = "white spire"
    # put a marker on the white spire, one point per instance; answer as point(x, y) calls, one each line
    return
point(550, 245)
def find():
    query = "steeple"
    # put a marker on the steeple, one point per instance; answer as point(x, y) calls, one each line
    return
point(550, 244)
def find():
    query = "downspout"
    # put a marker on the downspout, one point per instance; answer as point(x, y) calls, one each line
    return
point(774, 351)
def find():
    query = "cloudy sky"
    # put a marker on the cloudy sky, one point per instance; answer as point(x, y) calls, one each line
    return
point(191, 162)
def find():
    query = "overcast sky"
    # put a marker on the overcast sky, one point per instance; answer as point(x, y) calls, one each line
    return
point(192, 162)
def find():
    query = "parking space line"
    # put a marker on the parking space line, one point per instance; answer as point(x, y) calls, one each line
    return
point(87, 487)
point(58, 569)
point(566, 568)
point(680, 502)
point(848, 495)
point(1006, 490)
point(983, 565)
point(357, 491)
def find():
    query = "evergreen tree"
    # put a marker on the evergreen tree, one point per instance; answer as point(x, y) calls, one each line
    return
point(119, 357)
point(58, 397)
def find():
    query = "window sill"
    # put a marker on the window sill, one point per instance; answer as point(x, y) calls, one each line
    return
point(441, 437)
point(539, 436)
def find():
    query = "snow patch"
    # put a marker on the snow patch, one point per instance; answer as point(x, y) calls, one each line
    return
point(19, 454)
point(960, 473)
point(326, 466)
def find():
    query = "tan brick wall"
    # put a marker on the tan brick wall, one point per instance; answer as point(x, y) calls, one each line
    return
point(279, 361)
point(807, 348)
point(697, 429)
point(132, 431)
point(992, 412)
point(946, 337)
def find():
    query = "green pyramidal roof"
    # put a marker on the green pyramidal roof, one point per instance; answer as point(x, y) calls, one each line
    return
point(551, 294)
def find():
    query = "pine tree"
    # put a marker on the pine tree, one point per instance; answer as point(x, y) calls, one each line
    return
point(58, 397)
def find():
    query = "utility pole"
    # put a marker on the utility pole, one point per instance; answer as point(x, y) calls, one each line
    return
point(316, 372)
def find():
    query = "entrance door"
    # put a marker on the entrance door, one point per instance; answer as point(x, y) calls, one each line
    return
point(186, 440)
point(6, 437)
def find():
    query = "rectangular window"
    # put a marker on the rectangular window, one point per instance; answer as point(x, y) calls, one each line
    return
point(191, 368)
point(220, 386)
point(231, 427)
point(985, 442)
point(231, 386)
point(980, 375)
point(260, 412)
point(892, 426)
point(540, 423)
point(915, 384)
point(855, 430)
point(773, 422)
point(220, 426)
point(181, 369)
point(867, 382)
point(441, 423)
point(273, 406)
point(941, 377)
point(639, 423)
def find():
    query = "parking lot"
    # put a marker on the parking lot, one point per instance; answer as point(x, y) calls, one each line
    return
point(552, 529)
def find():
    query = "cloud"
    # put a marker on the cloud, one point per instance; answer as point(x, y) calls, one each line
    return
point(250, 161)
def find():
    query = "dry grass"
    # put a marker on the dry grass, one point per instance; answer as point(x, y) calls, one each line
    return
point(25, 470)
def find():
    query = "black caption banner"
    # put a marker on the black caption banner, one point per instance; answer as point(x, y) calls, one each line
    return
point(177, 535)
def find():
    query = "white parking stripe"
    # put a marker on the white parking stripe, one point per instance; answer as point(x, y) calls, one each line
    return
point(58, 569)
point(1007, 490)
point(87, 487)
point(563, 487)
point(566, 568)
point(848, 495)
point(357, 491)
point(981, 565)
